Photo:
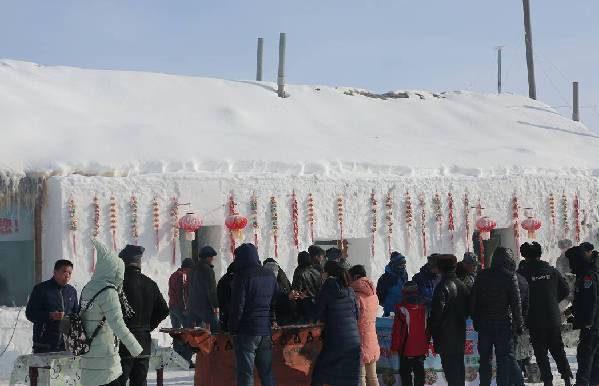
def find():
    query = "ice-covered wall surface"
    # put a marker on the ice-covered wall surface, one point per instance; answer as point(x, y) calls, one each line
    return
point(208, 197)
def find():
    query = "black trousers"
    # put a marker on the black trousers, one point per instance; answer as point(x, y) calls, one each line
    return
point(550, 339)
point(409, 366)
point(135, 370)
point(454, 369)
point(587, 356)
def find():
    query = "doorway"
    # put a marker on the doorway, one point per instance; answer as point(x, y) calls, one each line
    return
point(357, 251)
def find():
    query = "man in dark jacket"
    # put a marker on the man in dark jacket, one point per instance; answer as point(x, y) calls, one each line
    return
point(305, 286)
point(223, 292)
point(390, 284)
point(317, 256)
point(251, 316)
point(147, 309)
point(203, 300)
point(546, 287)
point(49, 303)
point(178, 293)
point(586, 315)
point(467, 269)
point(427, 279)
point(447, 322)
point(285, 313)
point(497, 314)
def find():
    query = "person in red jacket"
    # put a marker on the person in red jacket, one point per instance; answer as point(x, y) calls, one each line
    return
point(178, 293)
point(409, 337)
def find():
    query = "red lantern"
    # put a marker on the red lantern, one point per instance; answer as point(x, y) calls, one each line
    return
point(190, 223)
point(485, 225)
point(532, 225)
point(236, 223)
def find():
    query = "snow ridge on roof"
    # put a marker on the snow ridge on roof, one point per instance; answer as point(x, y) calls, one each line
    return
point(64, 120)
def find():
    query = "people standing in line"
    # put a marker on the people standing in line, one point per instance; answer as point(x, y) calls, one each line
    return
point(338, 362)
point(305, 287)
point(223, 292)
point(368, 304)
point(285, 309)
point(409, 337)
point(427, 279)
point(317, 255)
point(497, 317)
point(251, 316)
point(447, 322)
point(102, 364)
point(147, 309)
point(585, 309)
point(50, 301)
point(546, 287)
point(467, 269)
point(390, 284)
point(178, 294)
point(203, 300)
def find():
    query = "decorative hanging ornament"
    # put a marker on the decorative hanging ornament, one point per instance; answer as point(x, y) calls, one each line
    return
point(409, 218)
point(422, 204)
point(515, 223)
point(235, 223)
point(340, 215)
point(467, 225)
point(389, 219)
point(310, 204)
point(438, 210)
point(274, 220)
point(450, 218)
point(254, 211)
point(552, 214)
point(373, 228)
point(134, 223)
point(95, 229)
point(113, 220)
point(190, 223)
point(576, 218)
point(531, 224)
point(73, 223)
point(294, 220)
point(485, 225)
point(565, 224)
point(156, 221)
point(175, 225)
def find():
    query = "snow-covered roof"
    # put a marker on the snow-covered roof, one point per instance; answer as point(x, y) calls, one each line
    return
point(68, 120)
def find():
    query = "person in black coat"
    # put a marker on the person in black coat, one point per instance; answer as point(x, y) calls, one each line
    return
point(546, 287)
point(285, 309)
point(49, 302)
point(305, 288)
point(467, 269)
point(317, 256)
point(447, 321)
point(203, 300)
point(497, 315)
point(223, 292)
point(339, 360)
point(585, 309)
point(143, 310)
point(251, 316)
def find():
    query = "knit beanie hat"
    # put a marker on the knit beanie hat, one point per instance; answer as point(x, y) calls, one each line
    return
point(397, 257)
point(187, 263)
point(333, 254)
point(587, 247)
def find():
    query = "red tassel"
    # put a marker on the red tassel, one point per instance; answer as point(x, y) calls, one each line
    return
point(74, 245)
point(114, 239)
point(174, 258)
point(93, 268)
point(276, 239)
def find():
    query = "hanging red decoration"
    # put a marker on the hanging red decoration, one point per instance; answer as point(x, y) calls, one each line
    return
point(450, 217)
point(576, 219)
point(552, 209)
point(294, 220)
point(134, 228)
point(113, 220)
point(95, 229)
point(156, 222)
point(254, 210)
point(467, 225)
point(73, 223)
point(531, 224)
point(565, 224)
point(422, 204)
point(340, 215)
point(175, 224)
point(235, 222)
point(438, 210)
point(274, 217)
point(485, 225)
point(310, 203)
point(515, 223)
point(389, 218)
point(373, 228)
point(409, 218)
point(190, 223)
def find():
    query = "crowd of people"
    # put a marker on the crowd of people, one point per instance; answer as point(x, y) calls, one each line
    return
point(509, 302)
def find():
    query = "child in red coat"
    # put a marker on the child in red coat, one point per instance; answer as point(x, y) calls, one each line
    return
point(409, 337)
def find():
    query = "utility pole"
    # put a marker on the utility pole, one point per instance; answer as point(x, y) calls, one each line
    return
point(259, 59)
point(532, 87)
point(499, 50)
point(575, 103)
point(281, 72)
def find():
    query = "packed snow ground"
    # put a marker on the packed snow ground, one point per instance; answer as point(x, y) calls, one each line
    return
point(68, 120)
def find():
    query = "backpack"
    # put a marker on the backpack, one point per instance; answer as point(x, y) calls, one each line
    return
point(76, 339)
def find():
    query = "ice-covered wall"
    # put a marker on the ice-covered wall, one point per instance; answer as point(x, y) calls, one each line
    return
point(208, 196)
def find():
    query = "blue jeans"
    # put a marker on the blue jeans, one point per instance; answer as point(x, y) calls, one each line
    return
point(178, 320)
point(253, 350)
point(210, 319)
point(498, 334)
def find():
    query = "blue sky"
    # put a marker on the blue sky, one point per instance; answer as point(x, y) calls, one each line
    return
point(380, 45)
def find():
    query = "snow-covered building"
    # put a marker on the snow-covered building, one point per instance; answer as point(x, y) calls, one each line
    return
point(71, 135)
